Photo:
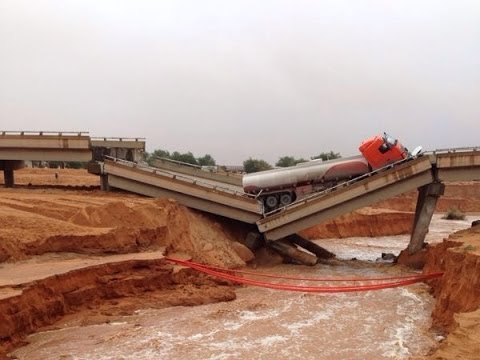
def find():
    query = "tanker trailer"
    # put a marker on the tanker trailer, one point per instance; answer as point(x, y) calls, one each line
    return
point(281, 186)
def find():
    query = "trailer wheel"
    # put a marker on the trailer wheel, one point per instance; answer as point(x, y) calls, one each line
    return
point(285, 199)
point(271, 201)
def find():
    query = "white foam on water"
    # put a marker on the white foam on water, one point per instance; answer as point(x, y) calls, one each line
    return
point(405, 292)
point(232, 325)
point(309, 321)
point(272, 340)
point(257, 315)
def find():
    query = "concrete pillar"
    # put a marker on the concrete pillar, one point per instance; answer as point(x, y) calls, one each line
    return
point(104, 182)
point(428, 196)
point(289, 251)
point(9, 178)
point(321, 252)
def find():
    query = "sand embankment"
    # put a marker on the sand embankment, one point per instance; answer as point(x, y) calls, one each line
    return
point(34, 222)
point(457, 293)
point(367, 222)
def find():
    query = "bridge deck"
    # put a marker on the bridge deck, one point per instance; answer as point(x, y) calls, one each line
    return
point(197, 194)
point(225, 178)
point(45, 146)
point(439, 166)
point(458, 165)
point(346, 198)
point(60, 146)
point(115, 142)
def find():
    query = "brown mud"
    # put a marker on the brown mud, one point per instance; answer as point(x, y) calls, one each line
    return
point(457, 293)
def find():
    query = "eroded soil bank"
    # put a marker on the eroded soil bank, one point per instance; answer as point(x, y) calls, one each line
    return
point(102, 291)
point(34, 222)
point(457, 293)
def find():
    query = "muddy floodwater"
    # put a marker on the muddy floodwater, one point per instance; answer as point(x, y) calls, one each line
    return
point(271, 324)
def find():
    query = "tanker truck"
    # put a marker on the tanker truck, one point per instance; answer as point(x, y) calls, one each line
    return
point(282, 186)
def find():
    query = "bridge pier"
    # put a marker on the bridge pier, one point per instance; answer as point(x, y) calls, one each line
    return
point(104, 182)
point(8, 167)
point(428, 196)
point(289, 251)
point(319, 251)
point(9, 178)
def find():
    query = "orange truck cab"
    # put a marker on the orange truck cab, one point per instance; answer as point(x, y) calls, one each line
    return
point(381, 151)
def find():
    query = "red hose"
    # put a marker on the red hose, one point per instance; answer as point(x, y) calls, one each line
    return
point(337, 279)
point(312, 289)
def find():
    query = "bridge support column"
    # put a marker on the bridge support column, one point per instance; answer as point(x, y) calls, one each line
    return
point(428, 196)
point(9, 178)
point(8, 167)
point(319, 251)
point(104, 182)
point(288, 251)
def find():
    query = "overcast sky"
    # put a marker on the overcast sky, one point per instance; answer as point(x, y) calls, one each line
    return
point(241, 78)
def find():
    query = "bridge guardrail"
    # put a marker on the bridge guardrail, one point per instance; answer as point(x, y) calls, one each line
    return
point(45, 133)
point(109, 138)
point(187, 179)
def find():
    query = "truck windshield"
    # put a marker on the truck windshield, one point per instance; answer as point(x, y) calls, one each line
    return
point(389, 140)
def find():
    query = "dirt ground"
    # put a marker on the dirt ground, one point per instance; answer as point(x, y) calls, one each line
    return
point(62, 213)
point(457, 293)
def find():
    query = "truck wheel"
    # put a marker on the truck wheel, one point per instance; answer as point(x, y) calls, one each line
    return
point(285, 199)
point(271, 201)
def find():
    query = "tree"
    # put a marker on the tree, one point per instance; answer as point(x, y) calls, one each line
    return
point(206, 160)
point(158, 153)
point(286, 161)
point(327, 156)
point(186, 157)
point(255, 165)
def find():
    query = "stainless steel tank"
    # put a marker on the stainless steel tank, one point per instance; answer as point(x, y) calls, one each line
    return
point(311, 172)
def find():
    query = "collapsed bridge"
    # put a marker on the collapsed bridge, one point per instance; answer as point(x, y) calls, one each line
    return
point(427, 173)
point(222, 195)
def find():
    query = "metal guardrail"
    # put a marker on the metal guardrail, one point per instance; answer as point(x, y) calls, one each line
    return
point(71, 133)
point(187, 179)
point(453, 150)
point(99, 138)
point(45, 133)
point(179, 162)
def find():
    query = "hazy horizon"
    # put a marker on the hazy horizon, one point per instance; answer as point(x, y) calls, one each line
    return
point(239, 79)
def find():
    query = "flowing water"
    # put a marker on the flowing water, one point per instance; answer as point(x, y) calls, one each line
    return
point(272, 324)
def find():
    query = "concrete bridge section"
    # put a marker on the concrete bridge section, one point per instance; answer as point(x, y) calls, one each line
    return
point(426, 174)
point(347, 197)
point(451, 165)
point(131, 149)
point(198, 194)
point(45, 146)
point(196, 171)
point(19, 146)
